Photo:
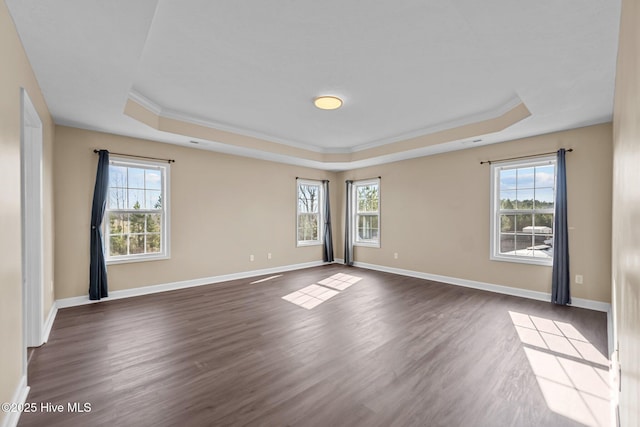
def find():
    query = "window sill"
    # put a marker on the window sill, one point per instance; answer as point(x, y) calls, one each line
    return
point(313, 243)
point(367, 245)
point(137, 259)
point(546, 262)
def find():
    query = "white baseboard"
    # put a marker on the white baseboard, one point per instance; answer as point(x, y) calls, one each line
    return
point(19, 397)
point(48, 324)
point(152, 289)
point(524, 293)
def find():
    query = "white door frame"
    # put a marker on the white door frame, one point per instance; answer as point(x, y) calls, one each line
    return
point(32, 224)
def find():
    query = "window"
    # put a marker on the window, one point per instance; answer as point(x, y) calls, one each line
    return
point(523, 198)
point(136, 218)
point(366, 213)
point(310, 220)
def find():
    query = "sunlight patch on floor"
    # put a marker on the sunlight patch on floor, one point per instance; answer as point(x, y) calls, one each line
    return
point(265, 279)
point(571, 373)
point(314, 295)
point(311, 296)
point(340, 281)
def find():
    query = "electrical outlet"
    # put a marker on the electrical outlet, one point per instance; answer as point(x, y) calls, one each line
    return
point(395, 255)
point(251, 258)
point(579, 279)
point(269, 255)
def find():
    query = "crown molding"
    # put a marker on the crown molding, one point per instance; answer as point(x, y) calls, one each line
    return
point(213, 136)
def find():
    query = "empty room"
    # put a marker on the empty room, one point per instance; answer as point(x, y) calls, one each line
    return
point(328, 213)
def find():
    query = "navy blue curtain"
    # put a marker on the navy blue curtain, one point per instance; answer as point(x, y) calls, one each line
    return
point(348, 233)
point(98, 268)
point(560, 292)
point(327, 250)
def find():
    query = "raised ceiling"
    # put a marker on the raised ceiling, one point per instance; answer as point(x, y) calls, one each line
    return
point(416, 77)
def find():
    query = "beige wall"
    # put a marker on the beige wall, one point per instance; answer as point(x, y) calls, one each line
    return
point(15, 72)
point(219, 217)
point(223, 209)
point(435, 213)
point(626, 212)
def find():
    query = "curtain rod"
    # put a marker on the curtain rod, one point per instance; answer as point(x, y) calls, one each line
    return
point(139, 157)
point(365, 179)
point(522, 157)
point(311, 179)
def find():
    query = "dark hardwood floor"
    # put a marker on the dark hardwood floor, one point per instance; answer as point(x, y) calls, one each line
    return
point(388, 351)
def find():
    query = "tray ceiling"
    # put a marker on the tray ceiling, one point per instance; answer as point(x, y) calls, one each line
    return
point(416, 77)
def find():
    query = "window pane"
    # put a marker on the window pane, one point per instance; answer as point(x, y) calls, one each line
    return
point(508, 179)
point(136, 199)
point(525, 199)
point(523, 241)
point(153, 199)
point(117, 198)
point(545, 176)
point(525, 178)
point(507, 243)
point(543, 240)
point(524, 223)
point(544, 220)
point(152, 179)
point(135, 178)
point(308, 227)
point(153, 243)
point(154, 223)
point(118, 223)
point(367, 227)
point(136, 243)
point(544, 198)
point(367, 198)
point(117, 176)
point(507, 223)
point(508, 199)
point(308, 198)
point(137, 223)
point(118, 245)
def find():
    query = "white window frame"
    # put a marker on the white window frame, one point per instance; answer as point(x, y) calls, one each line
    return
point(320, 213)
point(165, 232)
point(372, 243)
point(495, 254)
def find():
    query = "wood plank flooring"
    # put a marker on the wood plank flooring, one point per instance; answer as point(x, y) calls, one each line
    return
point(388, 351)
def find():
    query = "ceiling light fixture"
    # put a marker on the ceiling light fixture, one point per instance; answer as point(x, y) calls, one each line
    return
point(328, 102)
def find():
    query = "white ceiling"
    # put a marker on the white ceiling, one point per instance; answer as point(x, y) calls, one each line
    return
point(404, 68)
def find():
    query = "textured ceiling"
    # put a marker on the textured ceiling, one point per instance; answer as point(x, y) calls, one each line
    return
point(405, 69)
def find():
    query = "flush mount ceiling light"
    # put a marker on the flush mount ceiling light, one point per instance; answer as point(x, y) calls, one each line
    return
point(328, 102)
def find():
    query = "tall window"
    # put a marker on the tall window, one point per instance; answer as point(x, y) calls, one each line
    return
point(310, 222)
point(136, 226)
point(366, 213)
point(523, 198)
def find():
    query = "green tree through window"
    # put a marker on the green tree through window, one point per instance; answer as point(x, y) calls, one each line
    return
point(309, 212)
point(367, 212)
point(523, 211)
point(135, 210)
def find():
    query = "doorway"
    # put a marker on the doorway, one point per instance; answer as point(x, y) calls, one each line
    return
point(31, 152)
